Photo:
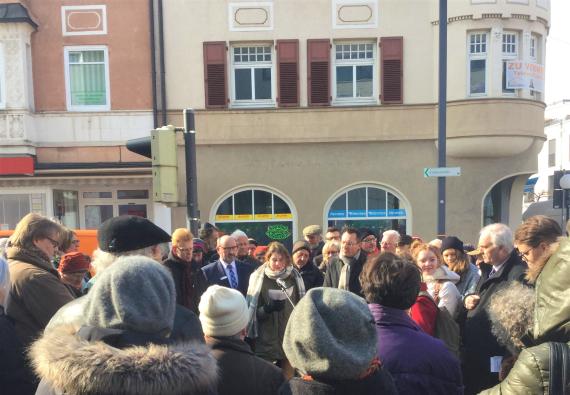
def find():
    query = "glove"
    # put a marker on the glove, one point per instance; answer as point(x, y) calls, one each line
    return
point(274, 305)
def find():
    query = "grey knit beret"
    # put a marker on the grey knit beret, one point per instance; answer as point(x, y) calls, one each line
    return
point(135, 293)
point(331, 334)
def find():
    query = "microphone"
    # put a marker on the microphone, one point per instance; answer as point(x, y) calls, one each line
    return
point(283, 287)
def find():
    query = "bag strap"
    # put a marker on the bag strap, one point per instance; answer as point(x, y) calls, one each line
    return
point(559, 366)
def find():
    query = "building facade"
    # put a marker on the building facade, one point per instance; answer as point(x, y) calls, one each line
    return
point(325, 112)
point(76, 83)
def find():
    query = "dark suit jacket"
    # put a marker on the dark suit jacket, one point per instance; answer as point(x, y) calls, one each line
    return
point(215, 274)
point(332, 276)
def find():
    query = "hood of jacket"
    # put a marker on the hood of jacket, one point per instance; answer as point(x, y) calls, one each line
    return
point(443, 273)
point(76, 366)
point(552, 308)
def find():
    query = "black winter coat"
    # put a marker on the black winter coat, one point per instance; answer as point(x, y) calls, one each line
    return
point(312, 276)
point(198, 286)
point(332, 276)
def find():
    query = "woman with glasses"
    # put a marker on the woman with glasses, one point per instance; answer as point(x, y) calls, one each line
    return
point(37, 291)
point(273, 290)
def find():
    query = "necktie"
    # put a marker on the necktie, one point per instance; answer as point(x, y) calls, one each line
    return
point(233, 279)
point(493, 272)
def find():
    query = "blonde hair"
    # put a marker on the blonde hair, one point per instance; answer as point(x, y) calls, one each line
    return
point(327, 246)
point(181, 235)
point(34, 227)
point(419, 247)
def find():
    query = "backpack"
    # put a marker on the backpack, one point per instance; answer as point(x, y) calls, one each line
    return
point(446, 329)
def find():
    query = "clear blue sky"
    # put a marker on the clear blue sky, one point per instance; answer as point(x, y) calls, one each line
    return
point(558, 53)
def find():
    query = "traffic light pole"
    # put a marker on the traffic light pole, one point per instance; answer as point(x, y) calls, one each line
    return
point(192, 218)
point(441, 118)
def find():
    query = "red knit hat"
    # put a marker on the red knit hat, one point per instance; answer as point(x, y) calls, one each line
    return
point(74, 262)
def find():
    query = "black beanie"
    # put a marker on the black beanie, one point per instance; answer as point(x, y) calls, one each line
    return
point(451, 242)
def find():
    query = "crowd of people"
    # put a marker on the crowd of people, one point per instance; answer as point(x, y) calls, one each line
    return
point(353, 312)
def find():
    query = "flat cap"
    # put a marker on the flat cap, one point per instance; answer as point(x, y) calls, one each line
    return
point(129, 233)
point(312, 230)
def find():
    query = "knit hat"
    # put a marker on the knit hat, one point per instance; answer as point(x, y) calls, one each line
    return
point(223, 311)
point(331, 334)
point(260, 250)
point(198, 244)
point(129, 233)
point(300, 245)
point(74, 262)
point(135, 293)
point(312, 230)
point(451, 242)
point(365, 232)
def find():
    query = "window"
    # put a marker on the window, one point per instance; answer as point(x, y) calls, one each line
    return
point(509, 51)
point(260, 213)
point(368, 206)
point(353, 73)
point(551, 152)
point(2, 79)
point(477, 44)
point(533, 49)
point(13, 207)
point(87, 78)
point(253, 76)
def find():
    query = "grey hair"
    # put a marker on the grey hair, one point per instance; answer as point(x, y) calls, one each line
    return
point(103, 259)
point(392, 233)
point(500, 235)
point(4, 283)
point(238, 233)
point(511, 311)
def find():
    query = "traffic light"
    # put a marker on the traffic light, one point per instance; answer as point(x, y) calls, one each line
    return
point(161, 148)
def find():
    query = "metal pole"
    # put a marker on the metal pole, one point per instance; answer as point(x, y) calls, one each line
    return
point(441, 116)
point(191, 180)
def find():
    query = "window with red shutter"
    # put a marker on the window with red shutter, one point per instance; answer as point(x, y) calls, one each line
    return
point(354, 80)
point(252, 75)
point(215, 74)
point(318, 63)
point(392, 69)
point(288, 71)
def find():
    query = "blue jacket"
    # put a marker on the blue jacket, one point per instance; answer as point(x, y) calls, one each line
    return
point(418, 363)
point(215, 274)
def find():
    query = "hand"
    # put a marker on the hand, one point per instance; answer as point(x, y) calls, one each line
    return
point(274, 305)
point(472, 301)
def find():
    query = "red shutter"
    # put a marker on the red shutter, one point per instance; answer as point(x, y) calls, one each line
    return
point(215, 74)
point(288, 69)
point(318, 63)
point(392, 69)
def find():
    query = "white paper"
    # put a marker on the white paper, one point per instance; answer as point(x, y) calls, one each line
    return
point(277, 294)
point(496, 364)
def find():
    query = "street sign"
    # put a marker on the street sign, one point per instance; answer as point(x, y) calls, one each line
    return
point(442, 171)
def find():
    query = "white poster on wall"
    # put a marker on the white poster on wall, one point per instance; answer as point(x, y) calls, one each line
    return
point(525, 75)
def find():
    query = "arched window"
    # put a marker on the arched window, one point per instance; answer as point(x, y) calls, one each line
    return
point(259, 212)
point(368, 206)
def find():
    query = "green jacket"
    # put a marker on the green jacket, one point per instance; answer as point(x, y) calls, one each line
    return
point(531, 372)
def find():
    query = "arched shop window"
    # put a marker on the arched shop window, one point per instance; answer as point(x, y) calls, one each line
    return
point(260, 213)
point(370, 207)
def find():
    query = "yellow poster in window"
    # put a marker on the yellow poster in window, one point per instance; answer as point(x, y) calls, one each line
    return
point(284, 216)
point(263, 216)
point(244, 217)
point(224, 217)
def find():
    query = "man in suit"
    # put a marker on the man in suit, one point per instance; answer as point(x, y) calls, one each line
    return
point(228, 271)
point(482, 352)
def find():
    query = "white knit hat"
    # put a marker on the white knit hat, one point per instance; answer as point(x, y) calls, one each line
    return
point(223, 311)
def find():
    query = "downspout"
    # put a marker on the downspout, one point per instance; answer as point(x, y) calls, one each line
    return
point(153, 64)
point(162, 72)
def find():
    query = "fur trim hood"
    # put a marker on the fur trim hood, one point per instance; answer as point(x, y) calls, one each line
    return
point(76, 366)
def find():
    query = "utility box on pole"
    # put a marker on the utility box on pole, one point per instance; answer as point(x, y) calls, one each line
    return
point(164, 165)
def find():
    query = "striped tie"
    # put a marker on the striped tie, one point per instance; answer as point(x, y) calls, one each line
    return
point(233, 279)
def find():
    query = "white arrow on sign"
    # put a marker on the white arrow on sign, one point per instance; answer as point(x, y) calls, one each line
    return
point(442, 171)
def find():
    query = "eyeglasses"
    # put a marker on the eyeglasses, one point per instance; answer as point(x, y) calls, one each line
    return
point(523, 255)
point(54, 243)
point(184, 250)
point(332, 252)
point(229, 248)
point(370, 240)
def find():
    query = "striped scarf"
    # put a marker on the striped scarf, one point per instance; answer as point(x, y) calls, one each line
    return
point(254, 290)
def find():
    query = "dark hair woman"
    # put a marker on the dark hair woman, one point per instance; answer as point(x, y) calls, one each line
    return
point(458, 262)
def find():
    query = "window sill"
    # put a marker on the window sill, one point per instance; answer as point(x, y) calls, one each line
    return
point(245, 105)
point(353, 102)
point(88, 108)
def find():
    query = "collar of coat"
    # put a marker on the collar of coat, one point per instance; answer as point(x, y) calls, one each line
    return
point(74, 365)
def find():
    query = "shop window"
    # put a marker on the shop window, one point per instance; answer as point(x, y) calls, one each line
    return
point(260, 213)
point(13, 207)
point(66, 208)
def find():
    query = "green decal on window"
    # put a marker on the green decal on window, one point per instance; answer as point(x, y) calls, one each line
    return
point(278, 232)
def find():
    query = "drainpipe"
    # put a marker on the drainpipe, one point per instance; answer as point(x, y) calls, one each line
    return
point(153, 64)
point(161, 55)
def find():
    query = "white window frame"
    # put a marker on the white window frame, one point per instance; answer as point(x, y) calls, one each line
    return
point(2, 77)
point(87, 108)
point(478, 56)
point(254, 103)
point(339, 101)
point(509, 55)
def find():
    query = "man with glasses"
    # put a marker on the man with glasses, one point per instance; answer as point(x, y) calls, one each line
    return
point(228, 271)
point(344, 271)
point(369, 243)
point(189, 280)
point(390, 239)
point(243, 248)
point(483, 354)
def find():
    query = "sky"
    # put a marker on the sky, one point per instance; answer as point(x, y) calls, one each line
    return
point(558, 53)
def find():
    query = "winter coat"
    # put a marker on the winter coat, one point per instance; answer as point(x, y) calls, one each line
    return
point(312, 276)
point(441, 287)
point(418, 363)
point(241, 372)
point(215, 274)
point(467, 284)
point(531, 372)
point(479, 343)
point(67, 363)
point(186, 326)
point(199, 283)
point(16, 376)
point(424, 311)
point(332, 276)
point(36, 292)
point(250, 260)
point(378, 383)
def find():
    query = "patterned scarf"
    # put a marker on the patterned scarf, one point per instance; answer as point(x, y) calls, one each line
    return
point(254, 290)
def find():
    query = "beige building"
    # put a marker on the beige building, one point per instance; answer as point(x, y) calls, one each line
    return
point(325, 111)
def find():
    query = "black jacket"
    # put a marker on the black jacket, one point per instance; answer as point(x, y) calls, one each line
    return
point(215, 274)
point(312, 276)
point(332, 276)
point(199, 284)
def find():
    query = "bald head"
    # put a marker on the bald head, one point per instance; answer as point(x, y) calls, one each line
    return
point(227, 248)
